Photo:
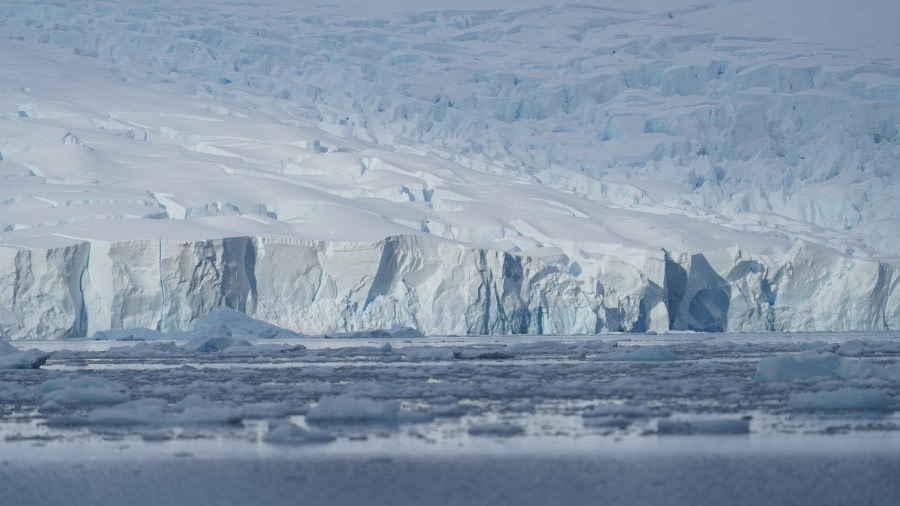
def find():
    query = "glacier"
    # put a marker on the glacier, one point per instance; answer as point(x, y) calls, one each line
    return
point(612, 167)
point(435, 286)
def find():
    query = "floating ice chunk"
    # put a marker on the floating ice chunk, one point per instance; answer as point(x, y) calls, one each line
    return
point(368, 388)
point(138, 350)
point(12, 358)
point(272, 409)
point(238, 326)
point(448, 406)
point(288, 433)
point(137, 334)
point(453, 410)
point(140, 412)
point(859, 347)
point(351, 409)
point(623, 410)
point(501, 429)
point(794, 366)
point(153, 411)
point(197, 410)
point(618, 422)
point(395, 331)
point(820, 364)
point(707, 426)
point(480, 354)
point(213, 343)
point(426, 353)
point(644, 354)
point(847, 398)
point(618, 415)
point(88, 390)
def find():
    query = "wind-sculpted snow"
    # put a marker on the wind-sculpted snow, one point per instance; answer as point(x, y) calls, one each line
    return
point(592, 167)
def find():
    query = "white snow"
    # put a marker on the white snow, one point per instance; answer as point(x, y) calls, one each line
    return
point(486, 169)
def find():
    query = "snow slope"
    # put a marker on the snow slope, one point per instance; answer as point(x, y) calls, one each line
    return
point(731, 166)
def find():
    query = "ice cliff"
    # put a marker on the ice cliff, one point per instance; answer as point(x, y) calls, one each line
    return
point(434, 286)
point(484, 169)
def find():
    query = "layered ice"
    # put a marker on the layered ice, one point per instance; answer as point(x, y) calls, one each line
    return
point(481, 170)
point(430, 286)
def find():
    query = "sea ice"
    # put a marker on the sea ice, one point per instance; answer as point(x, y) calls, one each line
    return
point(642, 354)
point(352, 409)
point(238, 325)
point(290, 434)
point(211, 343)
point(12, 358)
point(795, 366)
point(704, 426)
point(822, 364)
point(843, 399)
point(86, 390)
point(499, 429)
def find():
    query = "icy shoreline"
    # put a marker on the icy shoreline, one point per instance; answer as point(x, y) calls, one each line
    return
point(436, 287)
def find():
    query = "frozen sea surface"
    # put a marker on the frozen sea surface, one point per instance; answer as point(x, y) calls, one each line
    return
point(615, 419)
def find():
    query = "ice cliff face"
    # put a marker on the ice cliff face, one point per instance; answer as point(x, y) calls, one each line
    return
point(434, 286)
point(542, 168)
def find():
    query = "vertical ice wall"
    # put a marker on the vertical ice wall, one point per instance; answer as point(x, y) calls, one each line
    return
point(435, 286)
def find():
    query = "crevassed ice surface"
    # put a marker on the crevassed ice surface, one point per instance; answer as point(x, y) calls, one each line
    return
point(612, 166)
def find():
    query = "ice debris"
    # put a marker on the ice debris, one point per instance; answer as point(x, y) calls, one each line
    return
point(704, 426)
point(643, 354)
point(352, 409)
point(83, 390)
point(618, 415)
point(500, 429)
point(843, 399)
point(288, 433)
point(12, 358)
point(820, 364)
point(239, 326)
point(135, 334)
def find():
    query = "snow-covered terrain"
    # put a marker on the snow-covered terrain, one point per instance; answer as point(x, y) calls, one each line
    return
point(481, 169)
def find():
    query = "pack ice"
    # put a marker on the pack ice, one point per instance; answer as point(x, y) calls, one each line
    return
point(482, 170)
